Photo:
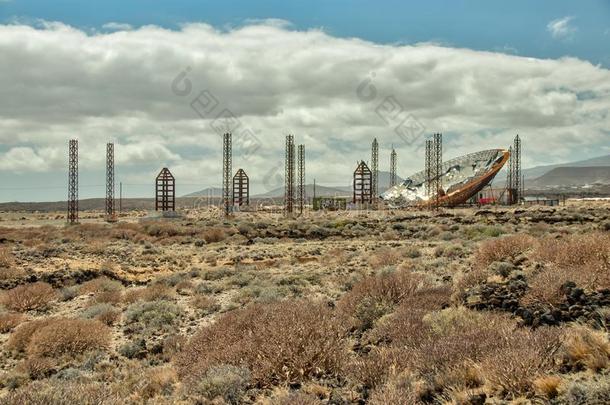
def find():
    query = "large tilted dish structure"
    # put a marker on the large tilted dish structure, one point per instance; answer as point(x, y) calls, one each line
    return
point(462, 178)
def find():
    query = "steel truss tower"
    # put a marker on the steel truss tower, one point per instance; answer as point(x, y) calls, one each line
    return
point(73, 181)
point(110, 212)
point(428, 169)
point(362, 184)
point(301, 168)
point(393, 168)
point(375, 168)
point(165, 191)
point(437, 164)
point(227, 156)
point(241, 188)
point(515, 178)
point(289, 176)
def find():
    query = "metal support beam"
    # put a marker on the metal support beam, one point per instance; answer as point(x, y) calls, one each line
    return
point(429, 170)
point(110, 214)
point(73, 181)
point(301, 169)
point(437, 164)
point(227, 157)
point(375, 168)
point(289, 176)
point(393, 168)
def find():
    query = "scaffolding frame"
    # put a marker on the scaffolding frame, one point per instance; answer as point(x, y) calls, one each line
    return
point(362, 184)
point(165, 191)
point(393, 180)
point(241, 188)
point(375, 168)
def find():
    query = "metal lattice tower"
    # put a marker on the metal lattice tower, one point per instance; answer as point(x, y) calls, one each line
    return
point(110, 213)
point(301, 168)
point(515, 176)
point(437, 164)
point(241, 188)
point(165, 191)
point(393, 168)
point(227, 156)
point(429, 169)
point(73, 181)
point(514, 183)
point(362, 184)
point(375, 168)
point(509, 177)
point(289, 176)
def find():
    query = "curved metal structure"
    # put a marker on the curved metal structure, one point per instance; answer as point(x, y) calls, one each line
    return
point(462, 178)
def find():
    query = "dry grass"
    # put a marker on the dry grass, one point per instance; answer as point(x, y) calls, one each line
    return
point(547, 386)
point(68, 336)
point(587, 348)
point(62, 392)
point(287, 341)
point(522, 357)
point(27, 297)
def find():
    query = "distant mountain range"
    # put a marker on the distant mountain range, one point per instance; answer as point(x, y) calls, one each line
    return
point(321, 191)
point(573, 176)
point(537, 171)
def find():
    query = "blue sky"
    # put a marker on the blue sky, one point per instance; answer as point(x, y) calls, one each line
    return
point(520, 26)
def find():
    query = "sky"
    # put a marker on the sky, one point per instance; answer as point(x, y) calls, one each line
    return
point(164, 80)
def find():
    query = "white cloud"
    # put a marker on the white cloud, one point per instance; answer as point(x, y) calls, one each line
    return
point(59, 82)
point(115, 26)
point(561, 28)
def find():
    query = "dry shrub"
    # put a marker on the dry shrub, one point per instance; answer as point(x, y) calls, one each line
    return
point(214, 234)
point(582, 259)
point(286, 341)
point(225, 381)
point(20, 338)
point(383, 257)
point(286, 397)
point(68, 336)
point(60, 393)
point(406, 325)
point(35, 296)
point(502, 249)
point(376, 296)
point(158, 381)
point(7, 260)
point(586, 348)
point(522, 357)
point(100, 284)
point(9, 321)
point(400, 389)
point(547, 386)
point(37, 367)
point(205, 304)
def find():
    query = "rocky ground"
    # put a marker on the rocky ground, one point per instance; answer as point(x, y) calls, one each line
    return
point(458, 306)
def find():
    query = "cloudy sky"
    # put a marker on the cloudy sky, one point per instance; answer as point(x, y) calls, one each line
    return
point(164, 81)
